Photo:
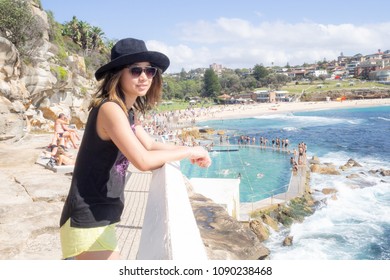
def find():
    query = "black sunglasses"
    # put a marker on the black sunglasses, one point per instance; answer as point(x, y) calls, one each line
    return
point(136, 71)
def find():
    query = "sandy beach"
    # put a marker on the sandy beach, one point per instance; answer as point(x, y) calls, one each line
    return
point(250, 110)
point(31, 196)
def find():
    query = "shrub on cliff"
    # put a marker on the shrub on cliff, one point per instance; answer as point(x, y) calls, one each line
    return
point(20, 26)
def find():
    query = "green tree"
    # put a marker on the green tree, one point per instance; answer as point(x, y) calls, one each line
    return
point(190, 88)
point(20, 26)
point(71, 29)
point(230, 81)
point(249, 82)
point(88, 37)
point(183, 74)
point(260, 72)
point(211, 85)
point(171, 88)
point(276, 81)
point(97, 35)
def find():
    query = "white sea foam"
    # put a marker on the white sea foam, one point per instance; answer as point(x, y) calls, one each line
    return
point(344, 228)
point(308, 121)
point(290, 128)
point(384, 119)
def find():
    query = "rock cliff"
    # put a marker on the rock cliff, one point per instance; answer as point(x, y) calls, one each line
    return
point(33, 93)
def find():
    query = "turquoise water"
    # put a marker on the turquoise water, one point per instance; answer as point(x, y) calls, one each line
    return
point(356, 225)
point(264, 172)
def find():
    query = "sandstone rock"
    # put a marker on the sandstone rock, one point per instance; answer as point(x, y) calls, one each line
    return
point(288, 241)
point(327, 191)
point(223, 236)
point(9, 60)
point(38, 79)
point(324, 169)
point(77, 64)
point(314, 160)
point(12, 126)
point(384, 172)
point(30, 202)
point(353, 176)
point(259, 229)
point(270, 222)
point(349, 164)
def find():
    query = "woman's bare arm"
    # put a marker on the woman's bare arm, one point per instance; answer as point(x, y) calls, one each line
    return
point(112, 124)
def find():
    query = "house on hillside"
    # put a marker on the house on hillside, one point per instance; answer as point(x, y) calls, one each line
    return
point(351, 67)
point(382, 75)
point(364, 69)
point(217, 68)
point(297, 74)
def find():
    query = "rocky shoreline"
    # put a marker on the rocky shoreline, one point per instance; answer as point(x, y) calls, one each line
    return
point(31, 200)
point(281, 217)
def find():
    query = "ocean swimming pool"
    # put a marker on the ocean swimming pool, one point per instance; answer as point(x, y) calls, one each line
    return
point(263, 172)
point(334, 136)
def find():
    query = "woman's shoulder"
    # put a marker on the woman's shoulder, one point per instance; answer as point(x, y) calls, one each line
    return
point(110, 106)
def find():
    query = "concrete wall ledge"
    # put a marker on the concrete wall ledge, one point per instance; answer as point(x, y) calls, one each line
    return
point(169, 230)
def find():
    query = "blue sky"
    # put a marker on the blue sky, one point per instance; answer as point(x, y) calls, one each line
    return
point(239, 34)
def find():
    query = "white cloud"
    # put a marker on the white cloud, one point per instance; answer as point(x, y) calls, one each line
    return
point(238, 43)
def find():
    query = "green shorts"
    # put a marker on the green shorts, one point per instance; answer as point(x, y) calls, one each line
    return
point(75, 241)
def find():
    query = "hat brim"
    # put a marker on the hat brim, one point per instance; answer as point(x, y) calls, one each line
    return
point(157, 59)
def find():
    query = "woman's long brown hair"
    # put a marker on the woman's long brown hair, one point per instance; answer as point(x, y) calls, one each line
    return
point(110, 89)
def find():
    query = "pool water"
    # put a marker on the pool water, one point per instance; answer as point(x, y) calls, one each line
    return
point(263, 172)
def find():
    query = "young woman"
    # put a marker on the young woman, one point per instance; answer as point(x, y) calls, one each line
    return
point(113, 137)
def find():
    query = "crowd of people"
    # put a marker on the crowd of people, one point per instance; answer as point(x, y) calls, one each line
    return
point(297, 159)
point(278, 143)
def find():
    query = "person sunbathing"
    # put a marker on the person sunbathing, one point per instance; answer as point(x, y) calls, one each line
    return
point(61, 127)
point(63, 158)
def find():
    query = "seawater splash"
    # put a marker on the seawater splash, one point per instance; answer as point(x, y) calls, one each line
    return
point(352, 226)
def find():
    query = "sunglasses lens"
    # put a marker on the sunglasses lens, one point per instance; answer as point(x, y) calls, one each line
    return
point(150, 72)
point(136, 71)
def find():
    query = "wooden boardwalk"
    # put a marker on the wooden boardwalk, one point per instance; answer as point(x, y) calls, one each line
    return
point(136, 197)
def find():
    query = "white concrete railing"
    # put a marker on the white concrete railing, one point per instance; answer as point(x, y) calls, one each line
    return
point(169, 229)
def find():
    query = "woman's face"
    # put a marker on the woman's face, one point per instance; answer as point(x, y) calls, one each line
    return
point(134, 85)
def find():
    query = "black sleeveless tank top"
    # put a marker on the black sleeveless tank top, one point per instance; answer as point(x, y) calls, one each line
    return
point(96, 194)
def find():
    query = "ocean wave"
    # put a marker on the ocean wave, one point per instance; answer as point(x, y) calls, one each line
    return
point(330, 233)
point(290, 128)
point(384, 119)
point(308, 121)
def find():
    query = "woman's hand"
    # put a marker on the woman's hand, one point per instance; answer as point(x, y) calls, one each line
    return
point(200, 157)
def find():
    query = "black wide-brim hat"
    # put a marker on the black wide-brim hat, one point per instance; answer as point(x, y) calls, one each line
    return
point(128, 51)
